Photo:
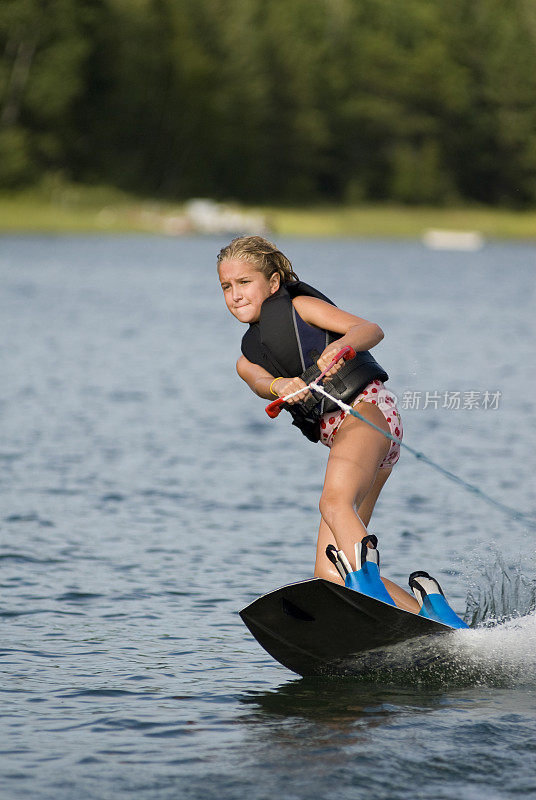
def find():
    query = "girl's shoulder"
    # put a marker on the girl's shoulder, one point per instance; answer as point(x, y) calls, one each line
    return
point(325, 315)
point(302, 289)
point(314, 310)
point(303, 302)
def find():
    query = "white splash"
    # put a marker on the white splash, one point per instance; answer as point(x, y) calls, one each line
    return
point(504, 654)
point(500, 656)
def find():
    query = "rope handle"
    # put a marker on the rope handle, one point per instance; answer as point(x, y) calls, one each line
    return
point(273, 409)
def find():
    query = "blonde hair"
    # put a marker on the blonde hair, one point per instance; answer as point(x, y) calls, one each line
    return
point(261, 254)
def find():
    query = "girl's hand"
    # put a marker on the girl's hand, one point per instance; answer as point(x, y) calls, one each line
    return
point(327, 357)
point(286, 386)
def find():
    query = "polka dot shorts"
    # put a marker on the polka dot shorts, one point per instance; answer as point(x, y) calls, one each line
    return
point(378, 395)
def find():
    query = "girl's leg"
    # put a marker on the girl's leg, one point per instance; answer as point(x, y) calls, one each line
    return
point(366, 508)
point(323, 566)
point(325, 569)
point(354, 480)
point(353, 463)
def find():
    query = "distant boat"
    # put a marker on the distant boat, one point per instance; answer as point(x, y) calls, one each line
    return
point(437, 239)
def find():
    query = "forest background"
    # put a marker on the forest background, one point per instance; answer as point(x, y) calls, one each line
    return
point(429, 102)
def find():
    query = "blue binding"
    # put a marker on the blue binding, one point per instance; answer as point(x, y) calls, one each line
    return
point(433, 603)
point(367, 579)
point(434, 606)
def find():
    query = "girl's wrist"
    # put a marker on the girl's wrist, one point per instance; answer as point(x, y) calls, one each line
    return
point(272, 386)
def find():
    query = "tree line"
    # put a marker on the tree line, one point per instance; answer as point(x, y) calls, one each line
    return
point(414, 101)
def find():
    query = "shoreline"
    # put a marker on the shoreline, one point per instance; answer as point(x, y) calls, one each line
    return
point(82, 210)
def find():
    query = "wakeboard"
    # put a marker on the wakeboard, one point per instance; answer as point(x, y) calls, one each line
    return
point(316, 627)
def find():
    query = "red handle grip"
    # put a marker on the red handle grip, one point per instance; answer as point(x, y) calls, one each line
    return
point(346, 353)
point(273, 409)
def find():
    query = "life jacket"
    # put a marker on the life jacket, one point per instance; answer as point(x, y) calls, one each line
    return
point(287, 346)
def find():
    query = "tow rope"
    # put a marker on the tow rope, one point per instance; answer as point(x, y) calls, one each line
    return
point(514, 513)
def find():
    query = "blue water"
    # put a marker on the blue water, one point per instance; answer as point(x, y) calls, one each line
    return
point(146, 498)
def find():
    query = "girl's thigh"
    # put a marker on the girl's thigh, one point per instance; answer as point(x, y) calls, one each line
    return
point(355, 456)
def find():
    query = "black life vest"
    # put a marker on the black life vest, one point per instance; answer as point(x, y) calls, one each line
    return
point(287, 346)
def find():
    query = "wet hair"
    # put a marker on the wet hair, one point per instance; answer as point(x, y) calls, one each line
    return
point(261, 254)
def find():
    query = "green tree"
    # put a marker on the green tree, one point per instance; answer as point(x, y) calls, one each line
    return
point(355, 100)
point(41, 75)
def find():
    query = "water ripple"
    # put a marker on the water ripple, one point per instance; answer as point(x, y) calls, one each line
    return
point(140, 514)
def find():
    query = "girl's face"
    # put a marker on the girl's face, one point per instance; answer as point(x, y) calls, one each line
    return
point(245, 288)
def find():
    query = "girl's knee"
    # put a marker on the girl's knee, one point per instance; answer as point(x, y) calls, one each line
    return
point(332, 506)
point(324, 504)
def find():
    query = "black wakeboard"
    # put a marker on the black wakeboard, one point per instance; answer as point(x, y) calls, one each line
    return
point(315, 626)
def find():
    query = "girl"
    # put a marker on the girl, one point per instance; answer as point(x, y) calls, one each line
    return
point(295, 331)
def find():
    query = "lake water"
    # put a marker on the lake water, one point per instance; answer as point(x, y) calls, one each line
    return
point(146, 498)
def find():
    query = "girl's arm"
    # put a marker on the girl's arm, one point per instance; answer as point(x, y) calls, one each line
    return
point(355, 331)
point(259, 381)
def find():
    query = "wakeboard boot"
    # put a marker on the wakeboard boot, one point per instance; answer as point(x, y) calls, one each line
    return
point(367, 579)
point(433, 603)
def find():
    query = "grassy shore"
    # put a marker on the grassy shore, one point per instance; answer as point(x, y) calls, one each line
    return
point(403, 221)
point(103, 210)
